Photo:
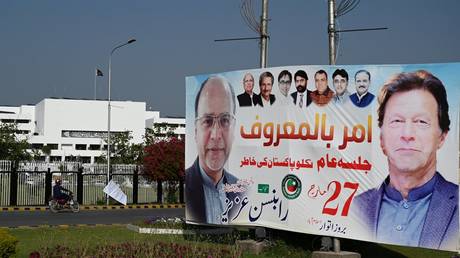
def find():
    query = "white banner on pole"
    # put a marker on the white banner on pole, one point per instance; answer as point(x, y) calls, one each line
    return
point(113, 190)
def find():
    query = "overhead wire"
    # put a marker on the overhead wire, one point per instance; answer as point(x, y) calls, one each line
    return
point(247, 12)
point(253, 16)
point(344, 7)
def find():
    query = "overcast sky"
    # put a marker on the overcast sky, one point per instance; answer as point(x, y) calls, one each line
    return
point(51, 48)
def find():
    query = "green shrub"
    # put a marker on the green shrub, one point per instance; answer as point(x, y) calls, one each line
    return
point(101, 201)
point(7, 244)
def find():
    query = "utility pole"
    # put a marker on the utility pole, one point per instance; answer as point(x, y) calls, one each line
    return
point(334, 12)
point(260, 28)
point(264, 34)
point(332, 50)
point(331, 31)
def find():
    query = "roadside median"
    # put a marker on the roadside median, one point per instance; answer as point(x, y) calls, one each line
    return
point(100, 207)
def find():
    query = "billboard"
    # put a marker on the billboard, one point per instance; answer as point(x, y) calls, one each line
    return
point(367, 152)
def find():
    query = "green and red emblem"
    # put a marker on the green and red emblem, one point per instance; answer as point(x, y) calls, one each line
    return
point(291, 186)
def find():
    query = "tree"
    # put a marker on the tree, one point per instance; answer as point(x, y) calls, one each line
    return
point(164, 160)
point(122, 151)
point(11, 147)
point(47, 151)
point(158, 132)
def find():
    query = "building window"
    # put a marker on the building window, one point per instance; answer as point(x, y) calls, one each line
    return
point(52, 146)
point(94, 147)
point(88, 134)
point(99, 159)
point(80, 146)
point(71, 158)
point(55, 158)
point(85, 159)
point(19, 121)
point(66, 147)
point(36, 146)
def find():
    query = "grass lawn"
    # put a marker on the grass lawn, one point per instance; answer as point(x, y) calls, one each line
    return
point(419, 252)
point(288, 244)
point(35, 239)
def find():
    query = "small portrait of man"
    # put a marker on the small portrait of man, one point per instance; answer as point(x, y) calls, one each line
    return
point(246, 99)
point(323, 94)
point(414, 205)
point(340, 81)
point(265, 98)
point(362, 97)
point(284, 85)
point(301, 97)
point(206, 199)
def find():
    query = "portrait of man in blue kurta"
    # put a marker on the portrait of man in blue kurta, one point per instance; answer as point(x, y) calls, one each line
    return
point(414, 205)
point(362, 97)
point(206, 200)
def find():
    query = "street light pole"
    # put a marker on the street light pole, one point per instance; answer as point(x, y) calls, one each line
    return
point(109, 109)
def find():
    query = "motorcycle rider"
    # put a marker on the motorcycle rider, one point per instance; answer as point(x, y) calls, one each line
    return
point(60, 192)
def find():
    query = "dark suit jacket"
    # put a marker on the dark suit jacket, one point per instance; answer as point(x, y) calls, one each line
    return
point(440, 230)
point(258, 100)
point(244, 99)
point(364, 102)
point(195, 206)
point(305, 93)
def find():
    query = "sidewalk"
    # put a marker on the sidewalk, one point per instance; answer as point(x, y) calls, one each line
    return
point(99, 207)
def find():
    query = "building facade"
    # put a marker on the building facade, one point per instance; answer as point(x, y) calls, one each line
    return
point(75, 129)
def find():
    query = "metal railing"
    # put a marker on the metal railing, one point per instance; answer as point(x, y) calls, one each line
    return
point(30, 183)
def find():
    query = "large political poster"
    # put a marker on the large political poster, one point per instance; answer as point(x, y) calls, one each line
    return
point(367, 152)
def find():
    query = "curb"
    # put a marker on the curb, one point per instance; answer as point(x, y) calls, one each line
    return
point(64, 226)
point(99, 207)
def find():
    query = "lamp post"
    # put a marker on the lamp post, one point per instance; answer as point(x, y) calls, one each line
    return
point(109, 108)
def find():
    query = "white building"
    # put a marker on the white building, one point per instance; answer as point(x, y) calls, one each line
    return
point(75, 128)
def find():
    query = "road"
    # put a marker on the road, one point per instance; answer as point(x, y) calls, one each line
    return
point(36, 218)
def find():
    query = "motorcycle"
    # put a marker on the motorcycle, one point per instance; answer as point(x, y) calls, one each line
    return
point(57, 205)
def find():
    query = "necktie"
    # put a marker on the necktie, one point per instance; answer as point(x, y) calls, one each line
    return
point(301, 100)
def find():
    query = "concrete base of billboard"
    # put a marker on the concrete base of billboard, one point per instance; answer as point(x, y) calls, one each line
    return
point(178, 231)
point(171, 231)
point(251, 246)
point(342, 254)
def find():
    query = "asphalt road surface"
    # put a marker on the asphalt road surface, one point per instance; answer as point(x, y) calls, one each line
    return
point(36, 218)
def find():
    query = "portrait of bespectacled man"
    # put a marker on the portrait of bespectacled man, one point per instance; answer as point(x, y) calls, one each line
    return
point(206, 199)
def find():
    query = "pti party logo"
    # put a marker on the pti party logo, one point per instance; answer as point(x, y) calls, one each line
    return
point(291, 186)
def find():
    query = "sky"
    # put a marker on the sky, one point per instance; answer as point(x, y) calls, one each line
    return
point(50, 48)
